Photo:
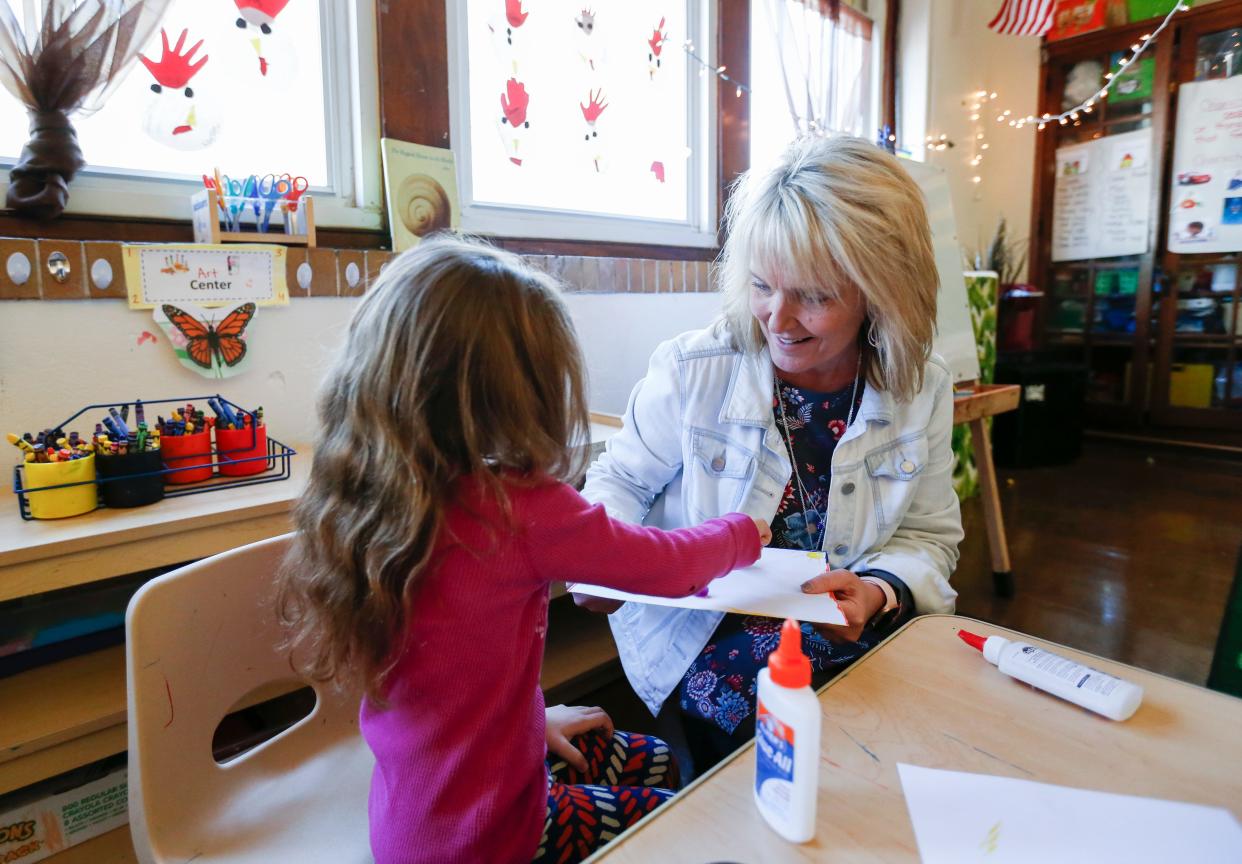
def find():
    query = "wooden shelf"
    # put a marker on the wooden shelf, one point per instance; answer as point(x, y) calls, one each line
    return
point(114, 847)
point(48, 555)
point(57, 717)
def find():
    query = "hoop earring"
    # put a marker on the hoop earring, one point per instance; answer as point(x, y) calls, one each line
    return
point(873, 338)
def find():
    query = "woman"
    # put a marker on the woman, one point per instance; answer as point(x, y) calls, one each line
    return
point(814, 403)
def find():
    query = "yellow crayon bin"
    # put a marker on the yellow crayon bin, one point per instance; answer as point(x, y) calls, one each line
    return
point(69, 501)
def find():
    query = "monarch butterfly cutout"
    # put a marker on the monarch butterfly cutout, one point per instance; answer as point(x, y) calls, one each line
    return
point(205, 341)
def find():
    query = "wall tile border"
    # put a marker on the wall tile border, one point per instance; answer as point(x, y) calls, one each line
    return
point(330, 271)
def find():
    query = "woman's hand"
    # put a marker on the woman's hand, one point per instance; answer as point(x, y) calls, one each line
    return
point(566, 721)
point(765, 531)
point(858, 601)
point(592, 603)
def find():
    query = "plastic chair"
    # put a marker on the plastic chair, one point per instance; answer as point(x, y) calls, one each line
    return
point(197, 641)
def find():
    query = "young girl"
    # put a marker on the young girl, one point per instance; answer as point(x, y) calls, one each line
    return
point(435, 520)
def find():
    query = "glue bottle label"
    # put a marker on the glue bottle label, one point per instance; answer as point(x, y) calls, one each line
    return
point(774, 755)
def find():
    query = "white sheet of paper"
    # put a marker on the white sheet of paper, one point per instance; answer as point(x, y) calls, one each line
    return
point(770, 587)
point(962, 818)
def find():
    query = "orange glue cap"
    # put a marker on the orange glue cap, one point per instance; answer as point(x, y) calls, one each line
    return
point(787, 665)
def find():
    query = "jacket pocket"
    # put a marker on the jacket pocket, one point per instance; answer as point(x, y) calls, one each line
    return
point(720, 473)
point(895, 472)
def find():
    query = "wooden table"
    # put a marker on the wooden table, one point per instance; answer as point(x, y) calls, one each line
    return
point(974, 408)
point(925, 698)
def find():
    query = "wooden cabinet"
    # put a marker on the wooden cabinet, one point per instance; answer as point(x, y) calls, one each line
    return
point(1158, 332)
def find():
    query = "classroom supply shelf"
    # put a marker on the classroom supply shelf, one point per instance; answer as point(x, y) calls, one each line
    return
point(223, 467)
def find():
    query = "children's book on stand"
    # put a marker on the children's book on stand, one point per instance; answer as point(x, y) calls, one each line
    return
point(129, 462)
point(258, 209)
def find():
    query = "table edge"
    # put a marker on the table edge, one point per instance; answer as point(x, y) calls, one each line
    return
point(909, 625)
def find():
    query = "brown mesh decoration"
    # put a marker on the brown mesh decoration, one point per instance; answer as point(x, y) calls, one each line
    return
point(69, 58)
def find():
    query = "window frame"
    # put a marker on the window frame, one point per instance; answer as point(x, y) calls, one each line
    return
point(700, 228)
point(351, 96)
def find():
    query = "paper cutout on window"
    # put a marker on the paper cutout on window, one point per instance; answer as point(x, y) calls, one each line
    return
point(513, 123)
point(209, 342)
point(594, 144)
point(176, 114)
point(276, 56)
point(591, 47)
point(657, 168)
point(507, 38)
point(655, 46)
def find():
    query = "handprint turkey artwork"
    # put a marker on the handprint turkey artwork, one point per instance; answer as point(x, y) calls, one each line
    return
point(177, 115)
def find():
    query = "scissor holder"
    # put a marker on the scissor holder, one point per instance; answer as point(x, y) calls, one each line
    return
point(291, 223)
point(185, 465)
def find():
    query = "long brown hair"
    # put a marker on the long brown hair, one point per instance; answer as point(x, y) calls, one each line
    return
point(460, 361)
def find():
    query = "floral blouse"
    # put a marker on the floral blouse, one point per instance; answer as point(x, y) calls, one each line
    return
point(720, 684)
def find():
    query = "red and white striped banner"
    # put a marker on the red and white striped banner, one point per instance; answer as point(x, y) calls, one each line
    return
point(1023, 17)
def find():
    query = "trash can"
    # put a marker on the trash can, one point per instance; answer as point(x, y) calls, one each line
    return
point(1046, 428)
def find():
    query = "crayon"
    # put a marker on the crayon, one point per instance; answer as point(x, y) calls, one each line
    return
point(20, 443)
point(122, 429)
point(138, 412)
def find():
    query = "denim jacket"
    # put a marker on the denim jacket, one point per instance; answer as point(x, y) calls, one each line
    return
point(700, 440)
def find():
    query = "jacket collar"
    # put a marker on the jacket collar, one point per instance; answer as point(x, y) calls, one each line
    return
point(748, 401)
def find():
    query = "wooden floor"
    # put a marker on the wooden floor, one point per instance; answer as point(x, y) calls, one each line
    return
point(1128, 553)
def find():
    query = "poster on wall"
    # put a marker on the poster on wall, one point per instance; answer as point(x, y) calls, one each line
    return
point(420, 184)
point(1102, 200)
point(205, 275)
point(1206, 197)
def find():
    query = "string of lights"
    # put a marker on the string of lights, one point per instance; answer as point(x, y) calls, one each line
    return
point(720, 72)
point(1110, 78)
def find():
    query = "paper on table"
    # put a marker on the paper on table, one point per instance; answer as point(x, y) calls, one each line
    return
point(961, 818)
point(770, 587)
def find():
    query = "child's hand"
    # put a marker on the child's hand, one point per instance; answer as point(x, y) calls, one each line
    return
point(765, 531)
point(566, 721)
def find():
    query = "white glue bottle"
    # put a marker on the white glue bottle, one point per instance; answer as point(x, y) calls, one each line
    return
point(787, 740)
point(1082, 685)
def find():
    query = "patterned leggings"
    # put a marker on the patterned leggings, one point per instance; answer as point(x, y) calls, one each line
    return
point(627, 777)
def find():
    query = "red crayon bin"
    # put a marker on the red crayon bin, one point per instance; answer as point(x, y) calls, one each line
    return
point(184, 453)
point(234, 445)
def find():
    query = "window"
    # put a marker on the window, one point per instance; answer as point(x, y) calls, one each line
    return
point(808, 67)
point(583, 120)
point(271, 87)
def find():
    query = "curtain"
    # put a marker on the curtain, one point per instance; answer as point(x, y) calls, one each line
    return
point(824, 50)
point(60, 57)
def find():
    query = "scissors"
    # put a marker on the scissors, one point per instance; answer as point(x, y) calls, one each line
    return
point(271, 189)
point(239, 192)
point(297, 188)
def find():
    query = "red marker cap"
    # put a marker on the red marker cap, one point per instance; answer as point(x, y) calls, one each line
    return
point(971, 639)
point(787, 665)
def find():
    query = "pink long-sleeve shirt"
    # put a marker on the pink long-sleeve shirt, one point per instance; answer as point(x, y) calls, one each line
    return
point(459, 774)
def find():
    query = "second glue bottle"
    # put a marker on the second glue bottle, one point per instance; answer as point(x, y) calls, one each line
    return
point(787, 740)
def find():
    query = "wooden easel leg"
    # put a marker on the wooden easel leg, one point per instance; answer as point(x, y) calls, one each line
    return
point(1002, 574)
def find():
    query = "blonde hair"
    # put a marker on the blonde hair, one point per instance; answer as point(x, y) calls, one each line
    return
point(460, 361)
point(833, 212)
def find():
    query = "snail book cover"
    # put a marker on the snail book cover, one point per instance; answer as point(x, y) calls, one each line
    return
point(421, 187)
